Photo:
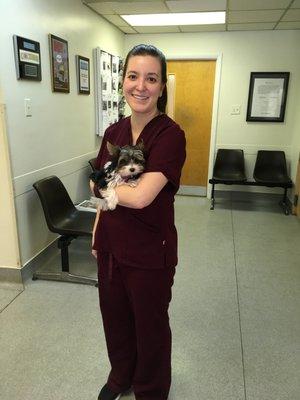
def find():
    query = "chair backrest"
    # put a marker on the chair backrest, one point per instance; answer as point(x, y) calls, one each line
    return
point(272, 161)
point(92, 163)
point(230, 161)
point(56, 202)
point(270, 167)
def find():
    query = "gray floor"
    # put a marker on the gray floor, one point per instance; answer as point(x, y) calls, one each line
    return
point(234, 314)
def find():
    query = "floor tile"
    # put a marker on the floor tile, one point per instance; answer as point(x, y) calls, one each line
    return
point(7, 296)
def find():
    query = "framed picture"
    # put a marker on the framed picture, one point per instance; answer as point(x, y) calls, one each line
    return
point(267, 96)
point(59, 58)
point(83, 74)
point(27, 58)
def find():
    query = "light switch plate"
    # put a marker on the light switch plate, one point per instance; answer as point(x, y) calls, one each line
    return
point(28, 107)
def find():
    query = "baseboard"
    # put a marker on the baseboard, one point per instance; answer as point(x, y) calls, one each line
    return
point(11, 278)
point(35, 263)
point(16, 278)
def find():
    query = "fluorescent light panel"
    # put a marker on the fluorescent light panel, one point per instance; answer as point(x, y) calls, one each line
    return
point(196, 18)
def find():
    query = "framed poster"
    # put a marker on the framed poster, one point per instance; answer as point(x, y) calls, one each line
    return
point(110, 101)
point(267, 96)
point(83, 74)
point(59, 59)
point(27, 58)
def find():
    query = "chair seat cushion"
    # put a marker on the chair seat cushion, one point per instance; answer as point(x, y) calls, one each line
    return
point(78, 223)
point(230, 176)
point(269, 178)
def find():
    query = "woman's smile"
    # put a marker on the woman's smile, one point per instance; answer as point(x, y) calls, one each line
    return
point(140, 97)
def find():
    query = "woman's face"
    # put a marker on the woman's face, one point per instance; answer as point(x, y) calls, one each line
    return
point(142, 84)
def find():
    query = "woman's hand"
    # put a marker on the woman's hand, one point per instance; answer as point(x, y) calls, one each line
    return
point(94, 253)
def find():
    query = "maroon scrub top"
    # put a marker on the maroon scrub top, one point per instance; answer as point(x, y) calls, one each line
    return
point(147, 237)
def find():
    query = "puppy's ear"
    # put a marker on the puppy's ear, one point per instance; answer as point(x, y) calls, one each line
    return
point(140, 145)
point(112, 149)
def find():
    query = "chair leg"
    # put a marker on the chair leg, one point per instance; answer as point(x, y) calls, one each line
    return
point(212, 201)
point(64, 275)
point(284, 203)
point(63, 244)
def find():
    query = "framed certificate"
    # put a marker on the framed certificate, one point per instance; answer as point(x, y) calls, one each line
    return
point(83, 74)
point(59, 57)
point(267, 96)
point(28, 58)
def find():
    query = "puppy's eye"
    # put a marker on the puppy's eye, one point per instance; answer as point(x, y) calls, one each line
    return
point(121, 163)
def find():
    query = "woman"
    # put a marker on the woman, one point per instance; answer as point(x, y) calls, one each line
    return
point(136, 244)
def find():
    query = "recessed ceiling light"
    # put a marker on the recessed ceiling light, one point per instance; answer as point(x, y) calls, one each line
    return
point(197, 18)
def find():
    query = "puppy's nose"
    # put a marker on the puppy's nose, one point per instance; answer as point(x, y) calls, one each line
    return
point(132, 169)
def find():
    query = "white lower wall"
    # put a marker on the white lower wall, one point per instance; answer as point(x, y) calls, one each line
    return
point(60, 137)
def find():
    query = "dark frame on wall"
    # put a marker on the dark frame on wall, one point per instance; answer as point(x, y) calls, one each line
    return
point(59, 58)
point(267, 96)
point(83, 74)
point(27, 58)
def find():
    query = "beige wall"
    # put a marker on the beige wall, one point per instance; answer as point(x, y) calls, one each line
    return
point(9, 250)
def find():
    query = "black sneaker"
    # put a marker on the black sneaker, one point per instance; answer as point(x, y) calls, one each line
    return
point(107, 394)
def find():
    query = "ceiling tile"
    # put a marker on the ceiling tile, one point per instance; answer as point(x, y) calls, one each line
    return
point(203, 28)
point(292, 15)
point(126, 29)
point(258, 26)
point(196, 5)
point(288, 25)
point(140, 7)
point(254, 16)
point(258, 4)
point(156, 29)
point(296, 4)
point(116, 20)
point(102, 8)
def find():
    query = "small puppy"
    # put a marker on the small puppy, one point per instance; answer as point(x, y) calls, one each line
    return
point(125, 167)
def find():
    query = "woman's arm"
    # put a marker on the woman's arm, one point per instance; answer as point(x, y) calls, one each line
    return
point(150, 184)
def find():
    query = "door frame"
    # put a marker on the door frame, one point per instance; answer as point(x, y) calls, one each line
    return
point(215, 108)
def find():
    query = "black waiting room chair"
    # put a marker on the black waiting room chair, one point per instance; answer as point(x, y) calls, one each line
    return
point(62, 217)
point(92, 163)
point(271, 170)
point(229, 169)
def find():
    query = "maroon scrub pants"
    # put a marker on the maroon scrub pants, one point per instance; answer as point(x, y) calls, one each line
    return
point(134, 305)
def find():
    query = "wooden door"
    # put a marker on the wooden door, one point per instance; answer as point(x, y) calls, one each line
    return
point(192, 89)
point(296, 209)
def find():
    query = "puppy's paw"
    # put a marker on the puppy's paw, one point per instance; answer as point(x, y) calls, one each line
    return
point(110, 197)
point(102, 203)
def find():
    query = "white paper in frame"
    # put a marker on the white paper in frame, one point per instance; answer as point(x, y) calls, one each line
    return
point(106, 89)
